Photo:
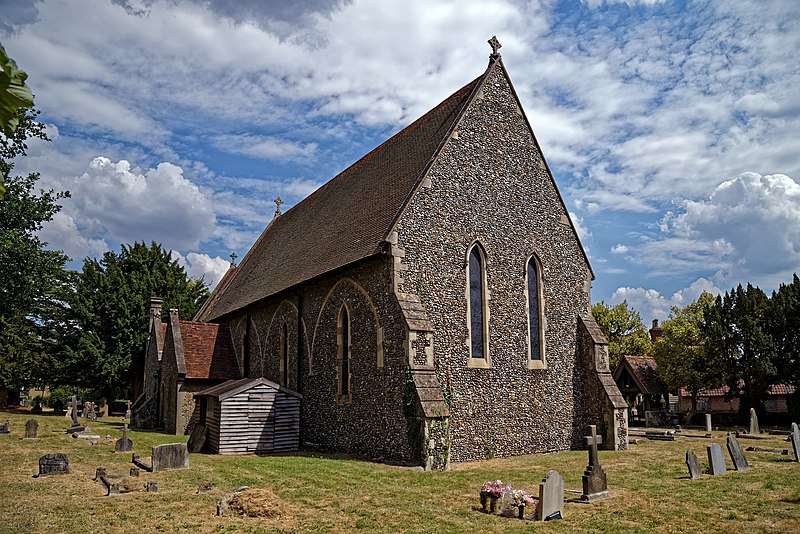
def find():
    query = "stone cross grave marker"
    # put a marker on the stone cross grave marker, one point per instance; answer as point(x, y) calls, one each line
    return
point(594, 478)
point(754, 423)
point(128, 413)
point(693, 464)
point(74, 412)
point(53, 463)
point(551, 497)
point(31, 428)
point(170, 456)
point(124, 444)
point(716, 459)
point(795, 437)
point(708, 422)
point(737, 454)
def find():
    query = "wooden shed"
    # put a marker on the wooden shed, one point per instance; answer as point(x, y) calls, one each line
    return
point(250, 415)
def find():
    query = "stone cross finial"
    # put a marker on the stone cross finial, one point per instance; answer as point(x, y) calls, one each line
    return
point(592, 441)
point(495, 44)
point(278, 203)
point(233, 258)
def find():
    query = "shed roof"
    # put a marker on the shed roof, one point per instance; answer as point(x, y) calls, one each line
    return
point(234, 387)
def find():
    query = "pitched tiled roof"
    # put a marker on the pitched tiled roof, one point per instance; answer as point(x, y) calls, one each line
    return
point(775, 389)
point(213, 298)
point(644, 371)
point(208, 351)
point(345, 220)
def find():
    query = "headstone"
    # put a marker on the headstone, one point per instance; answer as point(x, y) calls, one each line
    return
point(708, 422)
point(5, 428)
point(716, 459)
point(151, 486)
point(737, 454)
point(754, 423)
point(128, 413)
point(594, 478)
point(31, 428)
point(54, 463)
point(85, 410)
point(551, 496)
point(170, 456)
point(100, 472)
point(74, 411)
point(795, 437)
point(135, 471)
point(124, 444)
point(693, 464)
point(197, 439)
point(91, 414)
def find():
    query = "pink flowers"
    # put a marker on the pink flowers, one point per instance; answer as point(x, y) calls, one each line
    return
point(494, 488)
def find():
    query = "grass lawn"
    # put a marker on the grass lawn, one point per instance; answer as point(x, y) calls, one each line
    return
point(649, 486)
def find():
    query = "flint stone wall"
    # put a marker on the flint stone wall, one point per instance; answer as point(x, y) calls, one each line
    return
point(490, 184)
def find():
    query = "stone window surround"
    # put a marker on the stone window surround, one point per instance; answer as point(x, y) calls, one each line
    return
point(486, 361)
point(532, 363)
point(283, 355)
point(340, 398)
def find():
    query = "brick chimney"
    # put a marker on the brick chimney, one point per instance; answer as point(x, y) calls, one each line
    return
point(655, 332)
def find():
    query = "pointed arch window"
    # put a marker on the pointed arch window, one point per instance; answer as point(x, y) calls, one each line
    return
point(344, 354)
point(477, 309)
point(284, 355)
point(533, 290)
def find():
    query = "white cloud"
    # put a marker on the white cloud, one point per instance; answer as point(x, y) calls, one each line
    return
point(268, 148)
point(133, 205)
point(619, 249)
point(580, 228)
point(203, 266)
point(652, 305)
point(63, 234)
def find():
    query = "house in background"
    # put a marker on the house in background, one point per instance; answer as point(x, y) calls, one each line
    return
point(181, 358)
point(725, 408)
point(431, 303)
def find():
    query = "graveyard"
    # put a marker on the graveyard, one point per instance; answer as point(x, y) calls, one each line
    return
point(649, 487)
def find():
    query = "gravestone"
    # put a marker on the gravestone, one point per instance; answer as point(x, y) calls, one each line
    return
point(197, 439)
point(128, 413)
point(551, 497)
point(737, 454)
point(594, 478)
point(151, 486)
point(53, 463)
point(170, 456)
point(693, 464)
point(5, 428)
point(73, 412)
point(795, 438)
point(31, 428)
point(754, 423)
point(716, 459)
point(135, 471)
point(124, 444)
point(89, 411)
point(708, 422)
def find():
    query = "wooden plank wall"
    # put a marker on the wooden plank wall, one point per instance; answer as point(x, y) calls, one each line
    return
point(260, 419)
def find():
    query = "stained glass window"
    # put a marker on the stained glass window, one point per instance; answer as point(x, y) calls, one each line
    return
point(532, 275)
point(476, 298)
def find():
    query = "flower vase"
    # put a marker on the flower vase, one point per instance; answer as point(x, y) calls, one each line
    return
point(484, 501)
point(521, 511)
point(492, 504)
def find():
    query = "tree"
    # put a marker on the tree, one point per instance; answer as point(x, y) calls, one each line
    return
point(624, 330)
point(737, 336)
point(33, 281)
point(681, 355)
point(783, 326)
point(111, 305)
point(15, 98)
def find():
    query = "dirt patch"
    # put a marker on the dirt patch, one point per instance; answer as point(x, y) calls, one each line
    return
point(257, 502)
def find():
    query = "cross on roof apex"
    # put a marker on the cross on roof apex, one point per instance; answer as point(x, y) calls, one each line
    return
point(278, 203)
point(495, 44)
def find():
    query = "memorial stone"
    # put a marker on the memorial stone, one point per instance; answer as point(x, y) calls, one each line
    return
point(708, 422)
point(551, 497)
point(754, 430)
point(128, 413)
point(594, 478)
point(795, 438)
point(170, 456)
point(693, 464)
point(124, 444)
point(197, 438)
point(5, 428)
point(54, 463)
point(716, 459)
point(737, 454)
point(31, 428)
point(90, 412)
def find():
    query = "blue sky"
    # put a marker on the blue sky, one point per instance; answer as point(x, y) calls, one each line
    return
point(671, 127)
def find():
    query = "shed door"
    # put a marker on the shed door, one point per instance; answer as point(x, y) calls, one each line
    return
point(261, 422)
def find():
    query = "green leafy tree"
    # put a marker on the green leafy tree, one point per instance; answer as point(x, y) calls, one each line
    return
point(624, 330)
point(15, 98)
point(33, 282)
point(738, 338)
point(111, 305)
point(783, 325)
point(681, 355)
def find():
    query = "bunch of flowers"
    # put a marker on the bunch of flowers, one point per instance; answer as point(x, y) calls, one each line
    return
point(494, 488)
point(521, 498)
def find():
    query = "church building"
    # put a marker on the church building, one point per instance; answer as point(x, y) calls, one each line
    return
point(431, 303)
